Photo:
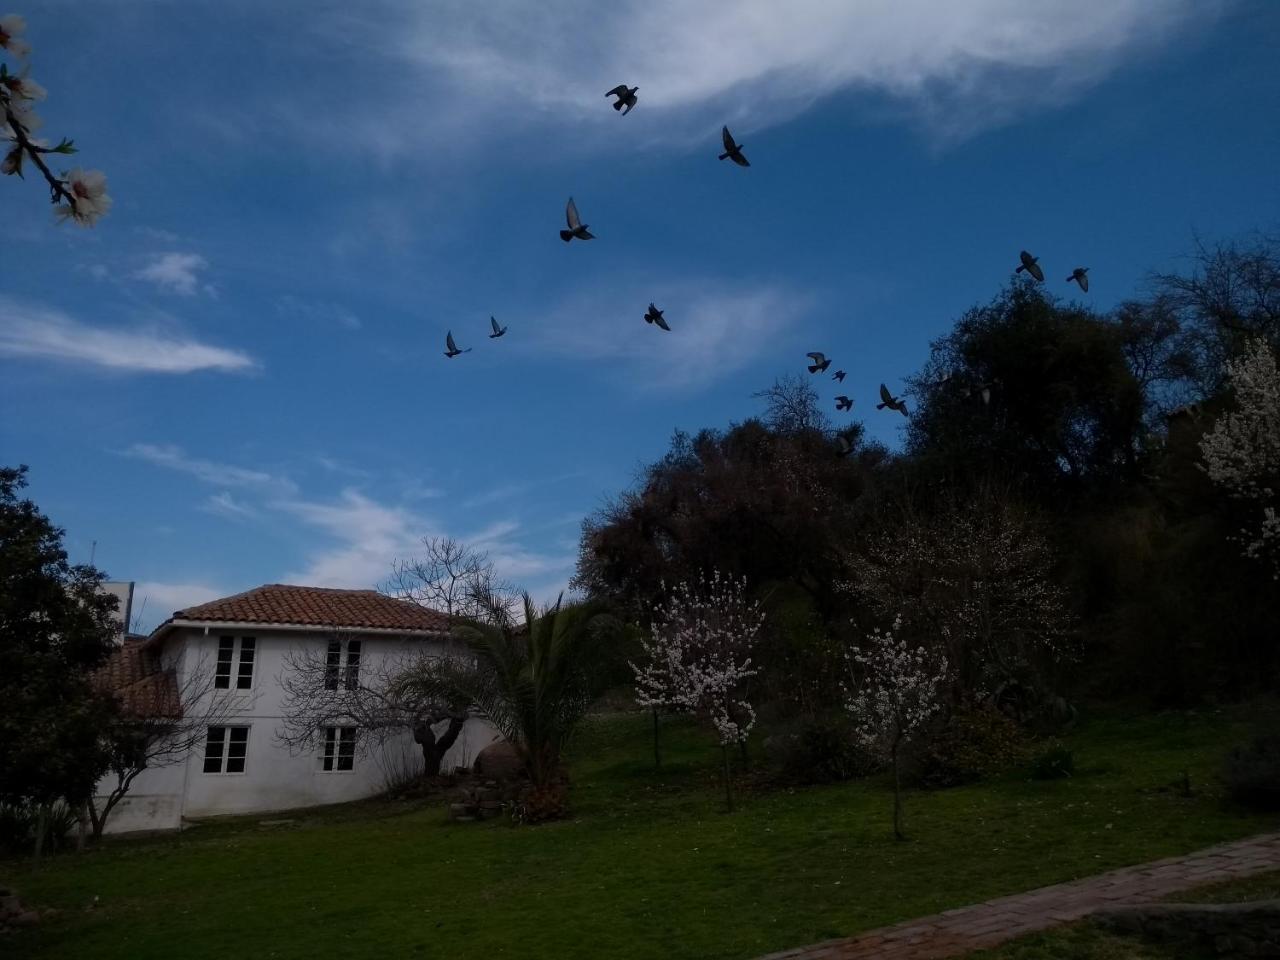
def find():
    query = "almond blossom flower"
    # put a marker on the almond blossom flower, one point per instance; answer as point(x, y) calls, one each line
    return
point(10, 26)
point(89, 187)
point(22, 87)
point(12, 162)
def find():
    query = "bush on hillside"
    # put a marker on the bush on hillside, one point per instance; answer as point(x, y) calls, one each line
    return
point(976, 742)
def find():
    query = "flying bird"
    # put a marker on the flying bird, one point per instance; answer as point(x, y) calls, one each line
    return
point(844, 403)
point(576, 227)
point(843, 446)
point(838, 375)
point(497, 330)
point(820, 362)
point(1081, 276)
point(1030, 265)
point(453, 350)
point(890, 401)
point(654, 315)
point(626, 97)
point(732, 151)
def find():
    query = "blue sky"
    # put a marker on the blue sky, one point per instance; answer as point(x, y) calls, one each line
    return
point(236, 377)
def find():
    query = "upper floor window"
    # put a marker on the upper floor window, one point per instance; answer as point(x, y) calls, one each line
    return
point(229, 667)
point(342, 665)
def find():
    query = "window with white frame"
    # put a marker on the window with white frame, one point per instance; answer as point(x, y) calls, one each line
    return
point(342, 665)
point(232, 671)
point(339, 754)
point(225, 749)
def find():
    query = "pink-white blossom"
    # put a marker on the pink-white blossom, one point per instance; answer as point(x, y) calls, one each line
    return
point(893, 690)
point(11, 27)
point(89, 187)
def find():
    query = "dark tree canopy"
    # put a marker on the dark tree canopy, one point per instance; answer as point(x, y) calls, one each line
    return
point(1063, 414)
point(56, 627)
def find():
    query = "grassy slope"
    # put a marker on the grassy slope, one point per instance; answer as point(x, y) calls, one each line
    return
point(652, 868)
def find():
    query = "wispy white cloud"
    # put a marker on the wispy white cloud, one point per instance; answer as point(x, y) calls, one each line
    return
point(155, 601)
point(32, 331)
point(717, 330)
point(225, 505)
point(175, 272)
point(317, 312)
point(209, 471)
point(959, 67)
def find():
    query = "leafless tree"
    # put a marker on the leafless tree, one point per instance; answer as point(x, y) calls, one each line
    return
point(162, 719)
point(450, 577)
point(791, 406)
point(975, 579)
point(319, 692)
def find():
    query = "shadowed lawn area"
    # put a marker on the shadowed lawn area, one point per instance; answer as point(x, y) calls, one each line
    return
point(652, 867)
point(1084, 941)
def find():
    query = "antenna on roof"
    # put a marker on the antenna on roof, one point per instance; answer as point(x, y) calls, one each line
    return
point(137, 620)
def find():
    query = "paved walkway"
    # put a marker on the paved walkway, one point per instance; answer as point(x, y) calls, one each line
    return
point(954, 933)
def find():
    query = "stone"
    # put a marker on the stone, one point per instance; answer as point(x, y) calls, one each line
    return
point(499, 761)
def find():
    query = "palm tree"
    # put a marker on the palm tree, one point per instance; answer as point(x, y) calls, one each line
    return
point(533, 681)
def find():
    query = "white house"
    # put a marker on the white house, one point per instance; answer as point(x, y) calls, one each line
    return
point(243, 644)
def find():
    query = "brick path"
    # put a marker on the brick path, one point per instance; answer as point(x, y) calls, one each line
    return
point(954, 933)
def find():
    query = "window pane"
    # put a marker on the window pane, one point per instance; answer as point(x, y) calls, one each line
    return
point(346, 748)
point(352, 676)
point(331, 665)
point(213, 749)
point(235, 764)
point(213, 764)
point(222, 676)
point(244, 679)
point(346, 762)
point(240, 734)
point(327, 763)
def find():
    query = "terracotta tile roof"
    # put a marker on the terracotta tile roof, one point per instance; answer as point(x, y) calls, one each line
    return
point(318, 606)
point(134, 674)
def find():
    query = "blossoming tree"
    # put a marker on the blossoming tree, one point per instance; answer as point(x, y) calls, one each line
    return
point(698, 658)
point(78, 195)
point(1242, 451)
point(893, 690)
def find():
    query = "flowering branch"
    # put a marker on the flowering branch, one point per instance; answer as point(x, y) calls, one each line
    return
point(81, 194)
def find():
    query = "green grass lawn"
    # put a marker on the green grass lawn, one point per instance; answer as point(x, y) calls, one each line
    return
point(650, 868)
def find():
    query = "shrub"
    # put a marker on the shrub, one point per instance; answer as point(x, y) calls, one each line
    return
point(1055, 762)
point(1253, 773)
point(19, 822)
point(976, 742)
point(821, 751)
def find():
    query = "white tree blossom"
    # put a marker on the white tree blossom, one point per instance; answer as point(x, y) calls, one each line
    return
point(81, 195)
point(893, 690)
point(698, 655)
point(1242, 451)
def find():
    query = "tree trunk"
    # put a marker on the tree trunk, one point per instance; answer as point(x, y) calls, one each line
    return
point(897, 799)
point(433, 748)
point(742, 748)
point(657, 746)
point(728, 783)
point(42, 822)
point(82, 821)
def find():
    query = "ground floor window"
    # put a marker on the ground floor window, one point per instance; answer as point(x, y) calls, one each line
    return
point(339, 749)
point(225, 749)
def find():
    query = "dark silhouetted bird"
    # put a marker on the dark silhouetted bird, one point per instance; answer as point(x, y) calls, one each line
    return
point(1081, 276)
point(843, 446)
point(820, 362)
point(1030, 264)
point(890, 401)
point(626, 97)
point(844, 403)
point(576, 227)
point(453, 350)
point(654, 316)
point(497, 330)
point(838, 375)
point(732, 151)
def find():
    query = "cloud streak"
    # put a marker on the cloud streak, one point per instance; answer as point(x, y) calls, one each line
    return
point(959, 67)
point(40, 332)
point(174, 272)
point(209, 471)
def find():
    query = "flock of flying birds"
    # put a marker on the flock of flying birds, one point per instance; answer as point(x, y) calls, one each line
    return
point(625, 101)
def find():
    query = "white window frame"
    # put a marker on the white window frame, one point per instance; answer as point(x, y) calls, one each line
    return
point(331, 749)
point(345, 667)
point(224, 752)
point(235, 665)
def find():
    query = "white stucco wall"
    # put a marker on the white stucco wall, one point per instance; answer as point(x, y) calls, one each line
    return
point(275, 779)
